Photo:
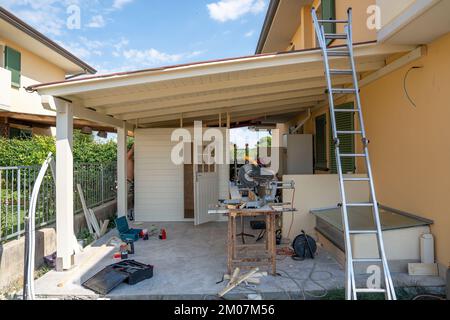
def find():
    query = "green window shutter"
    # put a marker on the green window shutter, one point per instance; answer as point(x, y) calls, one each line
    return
point(329, 12)
point(15, 133)
point(344, 122)
point(321, 143)
point(13, 63)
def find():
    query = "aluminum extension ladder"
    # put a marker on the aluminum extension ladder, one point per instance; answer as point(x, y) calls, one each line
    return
point(351, 290)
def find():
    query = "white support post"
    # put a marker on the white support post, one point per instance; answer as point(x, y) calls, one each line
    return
point(122, 192)
point(64, 185)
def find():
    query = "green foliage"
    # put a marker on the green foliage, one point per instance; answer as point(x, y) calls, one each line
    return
point(27, 152)
point(87, 150)
point(265, 142)
point(86, 236)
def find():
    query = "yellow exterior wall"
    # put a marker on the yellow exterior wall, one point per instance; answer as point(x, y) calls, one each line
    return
point(361, 32)
point(304, 37)
point(410, 146)
point(34, 70)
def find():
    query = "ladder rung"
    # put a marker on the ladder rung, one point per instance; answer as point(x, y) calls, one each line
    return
point(363, 232)
point(332, 53)
point(349, 132)
point(332, 21)
point(346, 110)
point(341, 72)
point(370, 291)
point(367, 260)
point(335, 36)
point(356, 179)
point(351, 155)
point(360, 204)
point(343, 90)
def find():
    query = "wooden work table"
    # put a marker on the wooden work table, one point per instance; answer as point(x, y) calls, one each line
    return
point(269, 247)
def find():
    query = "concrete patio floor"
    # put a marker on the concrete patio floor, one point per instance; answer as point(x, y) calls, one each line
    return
point(192, 260)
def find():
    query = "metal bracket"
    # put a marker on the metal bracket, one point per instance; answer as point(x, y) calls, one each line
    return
point(337, 142)
point(365, 142)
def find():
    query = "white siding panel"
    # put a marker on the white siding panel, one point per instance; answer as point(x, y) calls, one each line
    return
point(158, 182)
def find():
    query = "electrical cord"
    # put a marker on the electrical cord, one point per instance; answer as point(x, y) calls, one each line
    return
point(405, 85)
point(310, 278)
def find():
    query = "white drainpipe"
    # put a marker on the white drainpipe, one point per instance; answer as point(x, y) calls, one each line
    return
point(302, 123)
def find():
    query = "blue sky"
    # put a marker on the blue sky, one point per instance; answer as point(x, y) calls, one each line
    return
point(121, 35)
point(125, 35)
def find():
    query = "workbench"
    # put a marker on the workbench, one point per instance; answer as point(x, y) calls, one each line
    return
point(269, 247)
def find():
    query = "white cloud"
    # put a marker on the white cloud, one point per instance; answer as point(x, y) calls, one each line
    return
point(226, 10)
point(151, 57)
point(97, 22)
point(46, 18)
point(249, 34)
point(138, 59)
point(84, 48)
point(119, 4)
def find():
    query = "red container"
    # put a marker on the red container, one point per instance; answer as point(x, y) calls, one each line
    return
point(163, 234)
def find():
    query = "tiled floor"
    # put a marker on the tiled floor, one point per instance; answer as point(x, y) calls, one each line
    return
point(192, 260)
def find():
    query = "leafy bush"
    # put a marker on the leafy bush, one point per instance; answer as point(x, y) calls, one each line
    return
point(27, 152)
point(87, 150)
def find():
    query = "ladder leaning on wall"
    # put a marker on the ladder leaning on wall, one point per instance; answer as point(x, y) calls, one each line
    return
point(352, 291)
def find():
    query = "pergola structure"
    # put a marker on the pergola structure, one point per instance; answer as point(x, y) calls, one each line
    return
point(237, 90)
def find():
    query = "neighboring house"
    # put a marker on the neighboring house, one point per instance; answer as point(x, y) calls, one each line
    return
point(406, 111)
point(406, 107)
point(27, 57)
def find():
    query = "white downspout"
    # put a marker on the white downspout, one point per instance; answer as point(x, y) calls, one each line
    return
point(302, 123)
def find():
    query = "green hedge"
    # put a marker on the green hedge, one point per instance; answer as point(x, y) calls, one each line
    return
point(27, 152)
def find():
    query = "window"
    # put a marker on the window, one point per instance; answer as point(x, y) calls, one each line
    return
point(344, 122)
point(329, 12)
point(2, 56)
point(321, 143)
point(13, 63)
point(15, 133)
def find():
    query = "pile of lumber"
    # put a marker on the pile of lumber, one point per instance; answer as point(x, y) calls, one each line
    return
point(95, 228)
point(253, 277)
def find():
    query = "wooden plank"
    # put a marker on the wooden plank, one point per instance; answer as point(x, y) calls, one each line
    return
point(234, 284)
point(94, 222)
point(85, 209)
point(104, 228)
point(328, 246)
point(397, 64)
point(229, 245)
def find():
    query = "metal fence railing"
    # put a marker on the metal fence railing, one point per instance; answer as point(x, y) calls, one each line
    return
point(16, 185)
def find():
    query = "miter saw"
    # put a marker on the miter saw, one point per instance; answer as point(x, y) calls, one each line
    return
point(257, 187)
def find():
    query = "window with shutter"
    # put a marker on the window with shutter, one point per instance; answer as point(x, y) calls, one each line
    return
point(329, 12)
point(13, 63)
point(15, 133)
point(2, 56)
point(321, 143)
point(344, 122)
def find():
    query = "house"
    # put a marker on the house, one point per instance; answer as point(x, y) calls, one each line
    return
point(283, 84)
point(27, 57)
point(404, 102)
